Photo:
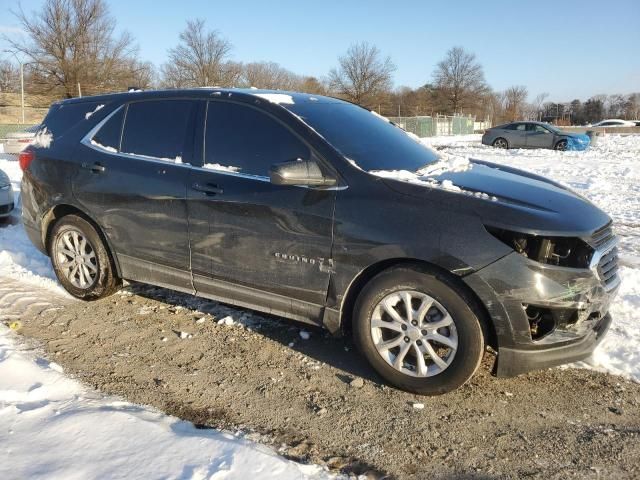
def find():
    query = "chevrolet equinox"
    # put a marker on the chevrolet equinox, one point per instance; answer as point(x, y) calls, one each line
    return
point(320, 211)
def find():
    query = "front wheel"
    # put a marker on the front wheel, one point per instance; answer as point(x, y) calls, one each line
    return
point(500, 143)
point(81, 260)
point(418, 331)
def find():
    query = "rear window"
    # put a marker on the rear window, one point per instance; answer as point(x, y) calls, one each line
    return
point(158, 128)
point(64, 116)
point(108, 137)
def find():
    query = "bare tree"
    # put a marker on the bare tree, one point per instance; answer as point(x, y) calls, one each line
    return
point(312, 85)
point(459, 79)
point(73, 42)
point(515, 99)
point(362, 74)
point(200, 59)
point(9, 77)
point(268, 75)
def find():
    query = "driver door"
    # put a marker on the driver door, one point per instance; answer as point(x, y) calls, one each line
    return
point(538, 136)
point(254, 243)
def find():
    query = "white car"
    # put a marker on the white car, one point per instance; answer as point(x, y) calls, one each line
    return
point(614, 122)
point(6, 196)
point(18, 141)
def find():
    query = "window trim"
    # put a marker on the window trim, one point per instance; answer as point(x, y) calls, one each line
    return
point(87, 139)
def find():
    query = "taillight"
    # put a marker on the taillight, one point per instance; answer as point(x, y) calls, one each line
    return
point(25, 158)
point(25, 140)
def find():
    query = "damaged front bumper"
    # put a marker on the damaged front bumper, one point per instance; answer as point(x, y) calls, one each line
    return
point(544, 315)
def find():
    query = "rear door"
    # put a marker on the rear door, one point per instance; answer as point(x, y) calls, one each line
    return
point(538, 136)
point(135, 167)
point(248, 236)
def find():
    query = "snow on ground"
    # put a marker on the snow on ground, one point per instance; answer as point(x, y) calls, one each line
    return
point(54, 427)
point(608, 174)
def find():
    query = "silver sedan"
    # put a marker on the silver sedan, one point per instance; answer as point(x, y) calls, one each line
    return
point(6, 196)
point(534, 135)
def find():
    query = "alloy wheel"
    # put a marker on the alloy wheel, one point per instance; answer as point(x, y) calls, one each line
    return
point(500, 143)
point(76, 258)
point(414, 333)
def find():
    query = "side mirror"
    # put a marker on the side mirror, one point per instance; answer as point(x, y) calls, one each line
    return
point(299, 172)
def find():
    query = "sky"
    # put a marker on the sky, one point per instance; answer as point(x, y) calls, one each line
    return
point(569, 49)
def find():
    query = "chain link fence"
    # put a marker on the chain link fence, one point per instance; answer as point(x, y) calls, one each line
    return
point(427, 126)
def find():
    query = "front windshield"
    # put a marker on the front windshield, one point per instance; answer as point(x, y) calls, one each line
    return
point(361, 136)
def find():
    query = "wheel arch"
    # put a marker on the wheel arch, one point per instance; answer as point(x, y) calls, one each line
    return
point(59, 211)
point(366, 275)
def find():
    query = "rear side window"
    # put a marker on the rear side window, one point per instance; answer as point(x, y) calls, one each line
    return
point(64, 116)
point(160, 129)
point(108, 137)
point(245, 140)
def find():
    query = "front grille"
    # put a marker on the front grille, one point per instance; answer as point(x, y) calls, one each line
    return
point(608, 267)
point(602, 236)
point(6, 208)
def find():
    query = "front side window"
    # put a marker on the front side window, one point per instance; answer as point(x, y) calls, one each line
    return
point(533, 127)
point(242, 139)
point(159, 129)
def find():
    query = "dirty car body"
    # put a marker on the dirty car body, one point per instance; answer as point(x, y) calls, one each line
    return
point(538, 259)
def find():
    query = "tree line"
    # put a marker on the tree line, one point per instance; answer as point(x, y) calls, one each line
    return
point(71, 48)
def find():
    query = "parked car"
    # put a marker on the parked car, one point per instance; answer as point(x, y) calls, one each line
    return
point(18, 141)
point(534, 135)
point(614, 123)
point(278, 202)
point(6, 196)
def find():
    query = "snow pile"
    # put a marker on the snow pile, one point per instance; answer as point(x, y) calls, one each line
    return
point(88, 115)
point(53, 427)
point(43, 138)
point(447, 163)
point(450, 164)
point(277, 98)
point(103, 147)
point(608, 174)
point(221, 168)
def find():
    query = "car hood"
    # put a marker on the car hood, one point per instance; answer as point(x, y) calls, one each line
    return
point(506, 197)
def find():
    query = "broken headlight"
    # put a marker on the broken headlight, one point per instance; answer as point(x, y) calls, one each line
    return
point(561, 251)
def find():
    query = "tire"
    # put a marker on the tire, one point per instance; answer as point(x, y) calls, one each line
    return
point(561, 145)
point(500, 143)
point(458, 361)
point(81, 260)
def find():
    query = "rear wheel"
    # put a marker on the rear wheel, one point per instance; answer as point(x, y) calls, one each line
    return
point(81, 260)
point(561, 145)
point(500, 143)
point(418, 331)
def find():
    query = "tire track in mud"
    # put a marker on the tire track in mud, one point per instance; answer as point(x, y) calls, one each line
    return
point(20, 301)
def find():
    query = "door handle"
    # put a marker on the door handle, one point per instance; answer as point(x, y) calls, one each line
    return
point(95, 167)
point(208, 189)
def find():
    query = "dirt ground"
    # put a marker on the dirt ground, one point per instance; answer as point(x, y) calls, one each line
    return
point(259, 376)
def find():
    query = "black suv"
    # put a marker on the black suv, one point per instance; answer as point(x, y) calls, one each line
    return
point(310, 208)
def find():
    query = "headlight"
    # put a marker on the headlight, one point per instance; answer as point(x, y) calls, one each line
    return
point(5, 187)
point(561, 251)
